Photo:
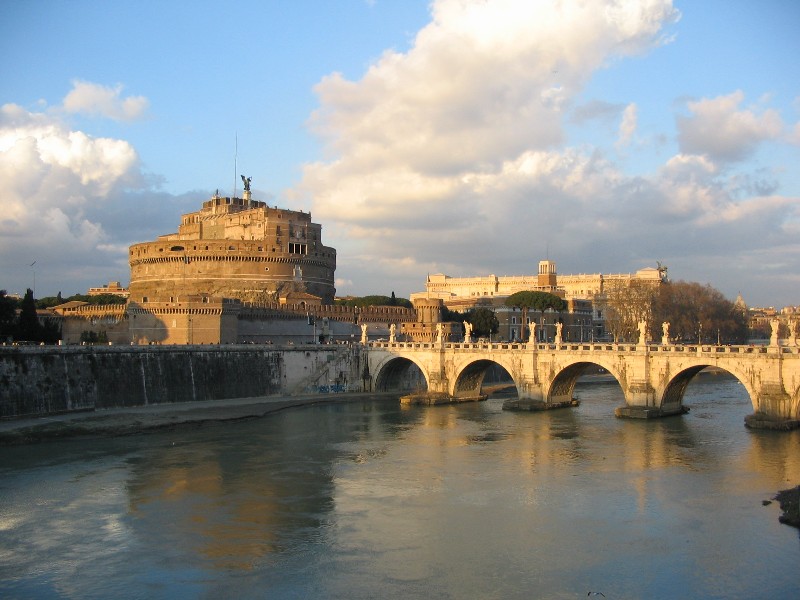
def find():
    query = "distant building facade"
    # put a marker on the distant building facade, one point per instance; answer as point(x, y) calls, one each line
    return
point(583, 286)
point(582, 321)
point(114, 288)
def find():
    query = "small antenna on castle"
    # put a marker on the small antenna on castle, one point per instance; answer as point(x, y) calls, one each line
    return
point(235, 157)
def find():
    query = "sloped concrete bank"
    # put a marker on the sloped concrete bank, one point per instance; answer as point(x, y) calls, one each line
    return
point(135, 420)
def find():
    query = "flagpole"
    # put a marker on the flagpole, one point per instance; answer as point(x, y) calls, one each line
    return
point(235, 157)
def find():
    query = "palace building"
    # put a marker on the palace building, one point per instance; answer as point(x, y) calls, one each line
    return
point(584, 293)
point(235, 248)
point(458, 291)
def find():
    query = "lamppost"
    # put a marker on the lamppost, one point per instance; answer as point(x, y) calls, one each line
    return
point(34, 280)
point(312, 321)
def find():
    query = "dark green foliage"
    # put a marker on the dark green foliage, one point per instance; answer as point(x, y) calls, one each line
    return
point(484, 321)
point(90, 337)
point(8, 315)
point(24, 326)
point(365, 301)
point(101, 299)
point(50, 333)
point(452, 316)
point(28, 327)
point(540, 301)
point(48, 302)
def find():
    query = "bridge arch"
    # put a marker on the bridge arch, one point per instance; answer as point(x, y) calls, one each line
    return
point(562, 387)
point(470, 376)
point(399, 374)
point(674, 389)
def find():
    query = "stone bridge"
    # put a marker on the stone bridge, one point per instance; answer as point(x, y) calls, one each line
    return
point(653, 377)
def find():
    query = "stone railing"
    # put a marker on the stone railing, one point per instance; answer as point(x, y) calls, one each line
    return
point(593, 347)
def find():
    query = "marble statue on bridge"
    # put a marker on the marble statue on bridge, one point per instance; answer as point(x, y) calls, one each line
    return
point(642, 333)
point(467, 332)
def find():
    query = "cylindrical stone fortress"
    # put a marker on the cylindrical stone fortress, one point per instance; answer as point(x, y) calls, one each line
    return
point(234, 248)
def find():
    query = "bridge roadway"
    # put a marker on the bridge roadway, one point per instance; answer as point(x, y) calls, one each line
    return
point(653, 377)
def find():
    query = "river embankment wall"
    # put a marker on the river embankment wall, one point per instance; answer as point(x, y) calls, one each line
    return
point(42, 380)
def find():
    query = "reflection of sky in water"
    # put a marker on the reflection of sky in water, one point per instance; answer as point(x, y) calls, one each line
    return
point(374, 500)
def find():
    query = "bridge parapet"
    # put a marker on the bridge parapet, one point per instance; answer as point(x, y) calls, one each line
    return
point(593, 347)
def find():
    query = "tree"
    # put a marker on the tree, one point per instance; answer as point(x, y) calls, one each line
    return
point(484, 322)
point(540, 301)
point(28, 327)
point(100, 299)
point(699, 313)
point(48, 302)
point(626, 304)
point(8, 315)
point(374, 300)
point(451, 316)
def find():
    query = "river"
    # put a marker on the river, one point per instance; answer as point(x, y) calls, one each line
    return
point(375, 500)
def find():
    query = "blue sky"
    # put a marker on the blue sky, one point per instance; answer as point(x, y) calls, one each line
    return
point(454, 136)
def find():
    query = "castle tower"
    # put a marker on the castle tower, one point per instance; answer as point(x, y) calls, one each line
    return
point(547, 274)
point(235, 248)
point(429, 310)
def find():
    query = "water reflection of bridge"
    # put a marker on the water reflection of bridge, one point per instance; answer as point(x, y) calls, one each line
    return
point(653, 377)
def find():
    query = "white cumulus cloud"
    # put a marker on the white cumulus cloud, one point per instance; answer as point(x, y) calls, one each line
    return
point(98, 100)
point(723, 130)
point(483, 83)
point(53, 178)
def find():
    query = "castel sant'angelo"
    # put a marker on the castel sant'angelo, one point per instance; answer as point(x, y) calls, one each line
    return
point(235, 248)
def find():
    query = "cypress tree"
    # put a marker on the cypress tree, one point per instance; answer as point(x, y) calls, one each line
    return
point(28, 327)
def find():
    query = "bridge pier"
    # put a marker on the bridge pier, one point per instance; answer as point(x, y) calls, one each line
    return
point(532, 397)
point(438, 392)
point(648, 412)
point(763, 421)
point(642, 402)
point(532, 404)
point(433, 398)
point(774, 410)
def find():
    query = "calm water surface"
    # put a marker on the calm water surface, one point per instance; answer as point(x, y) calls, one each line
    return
point(371, 500)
